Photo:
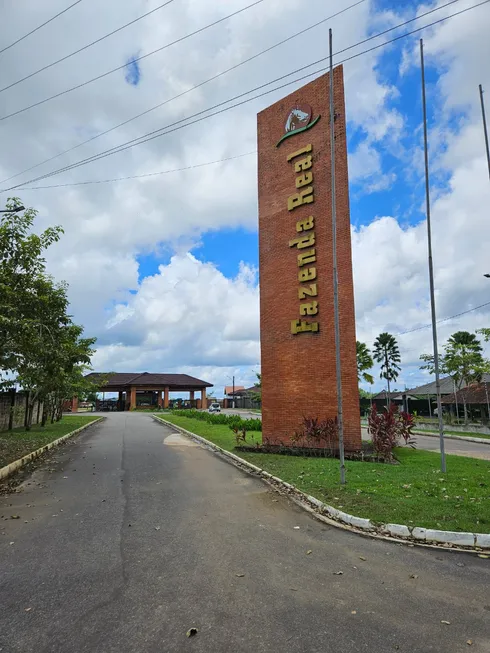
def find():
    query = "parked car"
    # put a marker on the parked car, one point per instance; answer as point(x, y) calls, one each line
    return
point(215, 408)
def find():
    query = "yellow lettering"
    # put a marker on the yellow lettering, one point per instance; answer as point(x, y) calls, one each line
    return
point(304, 164)
point(303, 241)
point(305, 225)
point(309, 274)
point(303, 150)
point(312, 291)
point(298, 199)
point(308, 309)
point(302, 326)
point(305, 258)
point(304, 180)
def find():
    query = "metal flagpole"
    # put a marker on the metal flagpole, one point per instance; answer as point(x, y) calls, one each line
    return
point(431, 267)
point(485, 127)
point(338, 366)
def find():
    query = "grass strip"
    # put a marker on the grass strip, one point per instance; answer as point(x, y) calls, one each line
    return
point(19, 442)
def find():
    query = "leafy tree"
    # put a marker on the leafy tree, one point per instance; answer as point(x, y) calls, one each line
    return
point(40, 346)
point(21, 266)
point(463, 361)
point(485, 332)
point(386, 353)
point(364, 363)
point(257, 396)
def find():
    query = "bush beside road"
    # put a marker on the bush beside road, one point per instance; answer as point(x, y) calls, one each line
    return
point(413, 493)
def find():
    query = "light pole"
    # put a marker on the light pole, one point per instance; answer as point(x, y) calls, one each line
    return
point(16, 209)
point(485, 132)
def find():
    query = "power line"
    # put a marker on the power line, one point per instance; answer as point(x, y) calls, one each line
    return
point(148, 174)
point(144, 56)
point(444, 319)
point(175, 97)
point(85, 47)
point(39, 27)
point(177, 125)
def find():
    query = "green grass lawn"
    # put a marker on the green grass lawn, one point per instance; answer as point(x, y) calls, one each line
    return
point(413, 493)
point(18, 443)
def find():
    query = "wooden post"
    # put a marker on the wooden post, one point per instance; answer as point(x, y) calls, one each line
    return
point(132, 403)
point(204, 404)
point(159, 398)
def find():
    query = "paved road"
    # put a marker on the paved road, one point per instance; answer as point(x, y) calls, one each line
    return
point(131, 535)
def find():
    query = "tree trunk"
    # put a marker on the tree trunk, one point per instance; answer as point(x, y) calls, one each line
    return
point(465, 408)
point(38, 410)
point(12, 408)
point(45, 413)
point(387, 380)
point(26, 412)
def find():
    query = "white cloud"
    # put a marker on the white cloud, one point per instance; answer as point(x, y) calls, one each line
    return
point(189, 316)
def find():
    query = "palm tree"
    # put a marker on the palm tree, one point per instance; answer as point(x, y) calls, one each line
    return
point(387, 353)
point(364, 363)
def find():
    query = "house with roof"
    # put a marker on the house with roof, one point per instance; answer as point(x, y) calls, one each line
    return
point(148, 389)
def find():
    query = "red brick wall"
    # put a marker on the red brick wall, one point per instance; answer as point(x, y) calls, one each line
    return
point(298, 371)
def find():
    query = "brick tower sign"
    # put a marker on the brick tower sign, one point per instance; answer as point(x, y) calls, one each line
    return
point(296, 266)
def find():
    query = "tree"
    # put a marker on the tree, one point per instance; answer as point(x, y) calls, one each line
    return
point(21, 266)
point(364, 363)
point(257, 396)
point(485, 332)
point(462, 360)
point(386, 353)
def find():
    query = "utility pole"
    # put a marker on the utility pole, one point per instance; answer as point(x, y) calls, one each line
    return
point(485, 132)
point(338, 366)
point(233, 400)
point(431, 268)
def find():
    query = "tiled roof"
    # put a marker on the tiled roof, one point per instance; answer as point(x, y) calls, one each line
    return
point(179, 381)
point(447, 386)
point(229, 389)
point(479, 393)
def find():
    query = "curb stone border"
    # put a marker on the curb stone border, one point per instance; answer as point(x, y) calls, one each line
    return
point(448, 540)
point(11, 468)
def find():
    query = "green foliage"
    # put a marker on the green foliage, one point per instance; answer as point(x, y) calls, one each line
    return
point(233, 421)
point(387, 353)
point(364, 362)
point(39, 344)
point(485, 332)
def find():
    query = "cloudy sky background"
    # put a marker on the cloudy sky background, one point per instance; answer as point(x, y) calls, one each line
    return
point(163, 269)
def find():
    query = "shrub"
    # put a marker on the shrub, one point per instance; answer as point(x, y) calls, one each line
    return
point(220, 418)
point(388, 428)
point(316, 433)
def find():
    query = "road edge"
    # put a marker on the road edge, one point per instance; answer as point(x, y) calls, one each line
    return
point(399, 533)
point(11, 468)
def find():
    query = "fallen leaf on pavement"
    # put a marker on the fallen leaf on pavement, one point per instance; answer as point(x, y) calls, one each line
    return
point(14, 517)
point(293, 589)
point(239, 575)
point(482, 555)
point(191, 632)
point(27, 609)
point(460, 564)
point(338, 573)
point(296, 528)
point(157, 528)
point(470, 642)
point(362, 558)
point(308, 552)
point(413, 576)
point(354, 612)
point(447, 623)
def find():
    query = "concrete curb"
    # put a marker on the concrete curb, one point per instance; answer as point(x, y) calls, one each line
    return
point(453, 437)
point(449, 540)
point(11, 468)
